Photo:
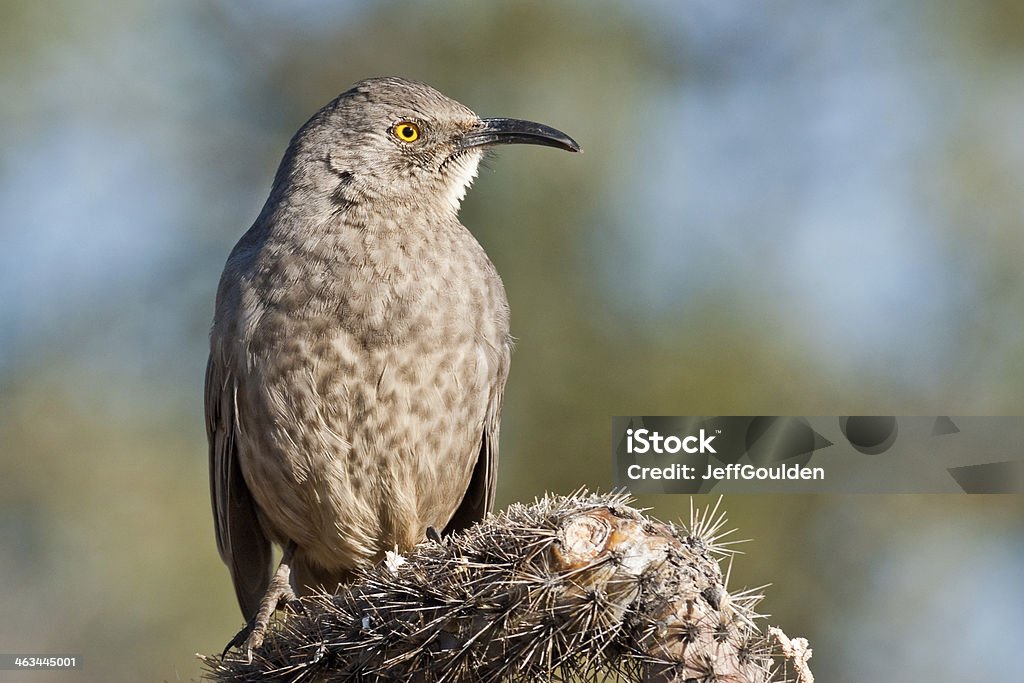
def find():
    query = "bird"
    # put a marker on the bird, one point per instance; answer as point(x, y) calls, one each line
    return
point(359, 348)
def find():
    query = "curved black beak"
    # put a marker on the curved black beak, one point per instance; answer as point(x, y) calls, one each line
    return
point(516, 131)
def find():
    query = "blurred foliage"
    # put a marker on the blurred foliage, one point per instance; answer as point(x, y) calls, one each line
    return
point(784, 209)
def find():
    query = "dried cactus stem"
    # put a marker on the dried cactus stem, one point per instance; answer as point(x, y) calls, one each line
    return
point(569, 587)
point(795, 652)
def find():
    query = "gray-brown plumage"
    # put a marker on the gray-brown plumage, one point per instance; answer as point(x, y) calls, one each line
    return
point(360, 346)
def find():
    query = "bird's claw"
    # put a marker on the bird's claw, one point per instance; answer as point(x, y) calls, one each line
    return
point(243, 638)
point(279, 595)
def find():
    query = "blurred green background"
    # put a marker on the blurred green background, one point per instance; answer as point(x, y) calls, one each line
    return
point(784, 208)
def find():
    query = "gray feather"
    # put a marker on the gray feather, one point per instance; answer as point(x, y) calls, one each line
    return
point(240, 540)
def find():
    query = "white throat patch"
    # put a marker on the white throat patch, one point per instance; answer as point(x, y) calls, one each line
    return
point(463, 170)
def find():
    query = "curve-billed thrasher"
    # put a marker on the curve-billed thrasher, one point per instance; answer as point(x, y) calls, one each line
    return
point(359, 348)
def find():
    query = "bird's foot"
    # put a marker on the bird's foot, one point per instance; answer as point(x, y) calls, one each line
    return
point(279, 595)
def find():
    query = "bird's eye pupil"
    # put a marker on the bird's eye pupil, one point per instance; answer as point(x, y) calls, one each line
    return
point(406, 132)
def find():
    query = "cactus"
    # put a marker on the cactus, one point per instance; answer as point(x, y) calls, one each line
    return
point(568, 588)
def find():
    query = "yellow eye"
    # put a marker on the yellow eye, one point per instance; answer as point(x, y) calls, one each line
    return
point(406, 131)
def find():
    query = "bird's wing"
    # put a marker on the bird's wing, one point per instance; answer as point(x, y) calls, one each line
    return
point(479, 498)
point(240, 540)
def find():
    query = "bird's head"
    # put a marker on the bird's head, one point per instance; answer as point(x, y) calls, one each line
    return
point(401, 143)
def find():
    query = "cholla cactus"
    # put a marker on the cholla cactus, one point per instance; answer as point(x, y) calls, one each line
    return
point(568, 588)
